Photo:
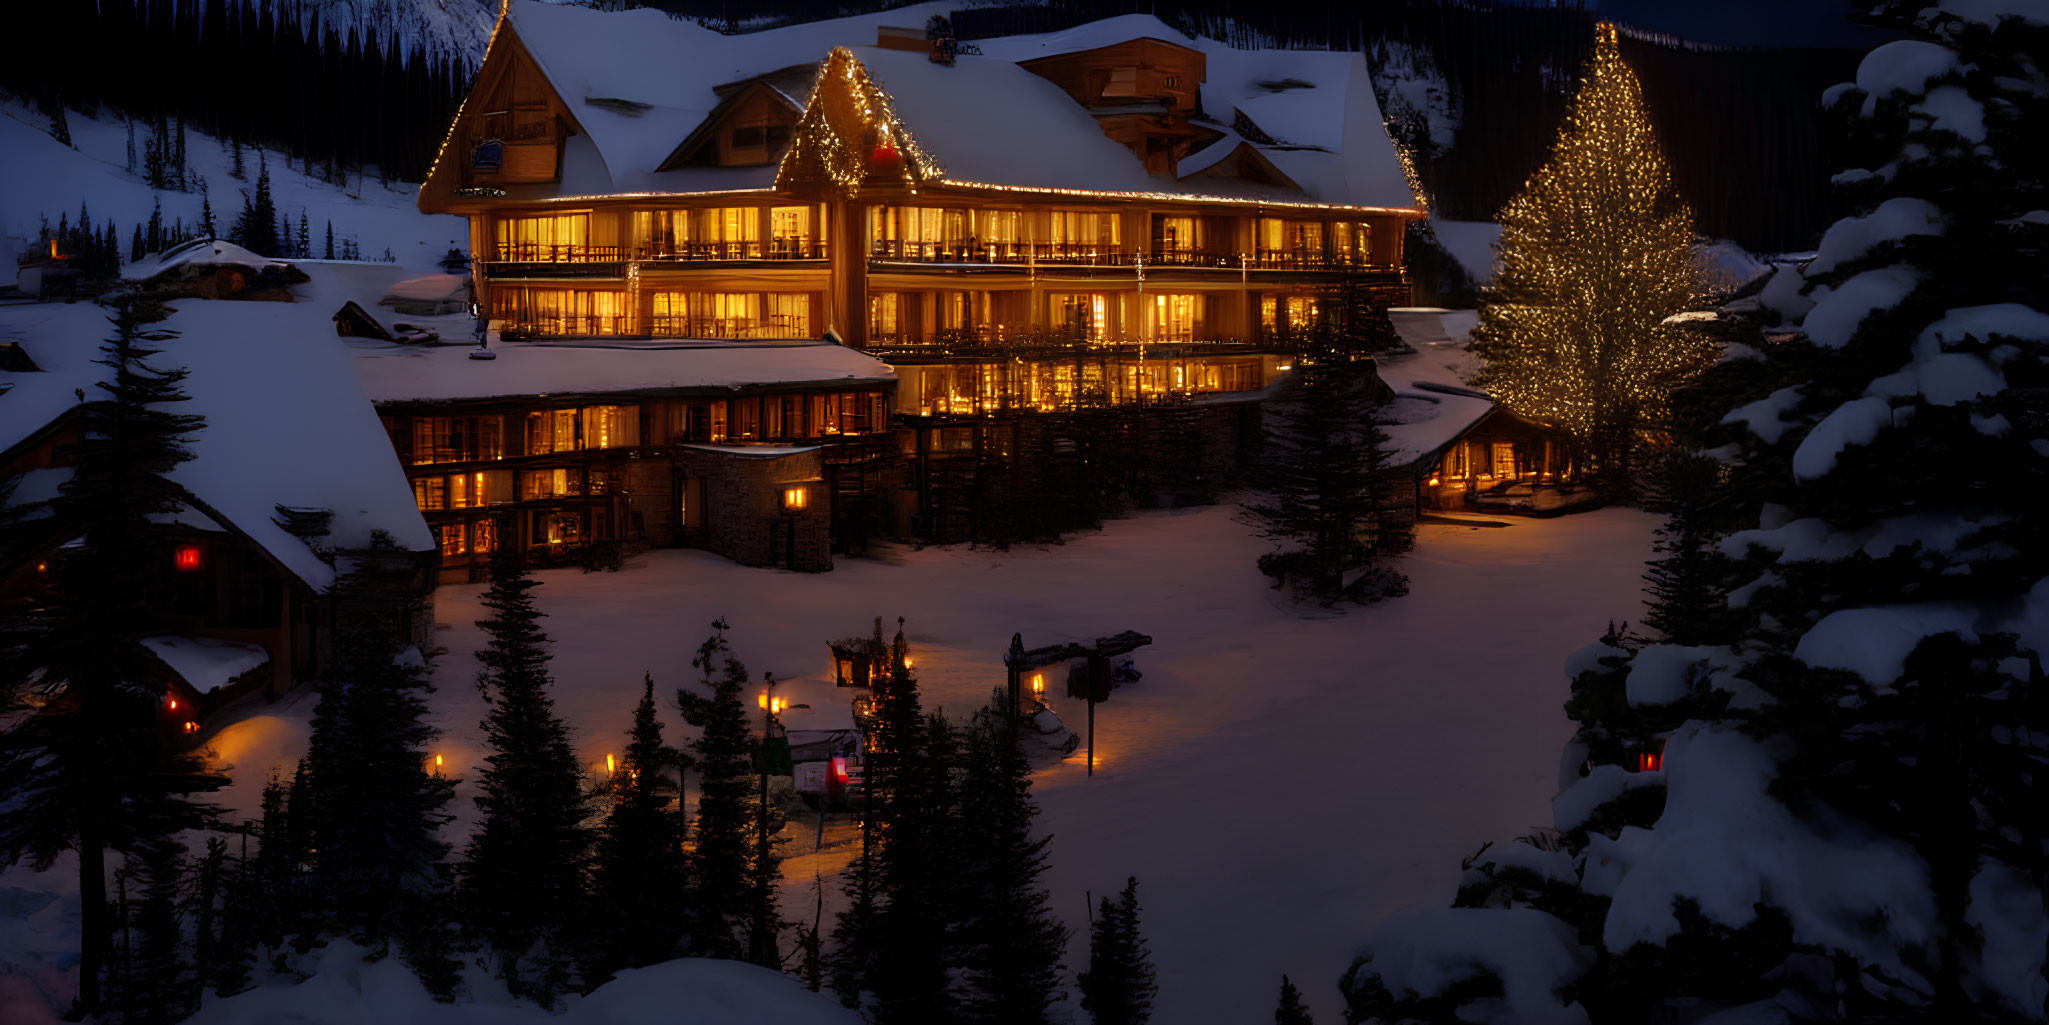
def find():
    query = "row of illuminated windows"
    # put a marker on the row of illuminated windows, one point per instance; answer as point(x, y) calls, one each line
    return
point(468, 439)
point(560, 312)
point(1093, 316)
point(591, 428)
point(924, 232)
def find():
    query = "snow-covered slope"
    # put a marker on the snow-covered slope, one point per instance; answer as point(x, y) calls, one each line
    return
point(40, 177)
point(460, 27)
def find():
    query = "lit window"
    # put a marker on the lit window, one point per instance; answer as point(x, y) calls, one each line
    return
point(188, 558)
point(794, 498)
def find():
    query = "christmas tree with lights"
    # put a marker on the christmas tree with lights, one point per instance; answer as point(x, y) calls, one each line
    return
point(1595, 255)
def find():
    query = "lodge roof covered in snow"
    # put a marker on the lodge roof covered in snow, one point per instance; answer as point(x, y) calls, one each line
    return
point(635, 85)
point(286, 422)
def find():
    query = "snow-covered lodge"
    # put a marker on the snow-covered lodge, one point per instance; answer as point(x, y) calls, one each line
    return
point(666, 221)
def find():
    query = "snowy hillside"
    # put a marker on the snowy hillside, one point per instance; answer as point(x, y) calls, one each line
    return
point(44, 178)
point(447, 26)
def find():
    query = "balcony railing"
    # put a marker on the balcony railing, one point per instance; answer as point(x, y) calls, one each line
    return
point(773, 249)
point(536, 252)
point(969, 251)
point(975, 251)
point(725, 327)
point(566, 325)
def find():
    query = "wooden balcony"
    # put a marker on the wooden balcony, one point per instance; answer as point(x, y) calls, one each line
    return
point(775, 249)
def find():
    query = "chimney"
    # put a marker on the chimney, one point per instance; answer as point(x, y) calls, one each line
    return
point(890, 37)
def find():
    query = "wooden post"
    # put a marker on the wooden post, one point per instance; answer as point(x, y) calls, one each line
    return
point(1013, 665)
point(1092, 734)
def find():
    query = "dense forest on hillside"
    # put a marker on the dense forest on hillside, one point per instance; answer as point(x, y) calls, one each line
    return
point(1744, 126)
point(244, 70)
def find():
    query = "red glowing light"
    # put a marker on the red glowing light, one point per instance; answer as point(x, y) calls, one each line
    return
point(174, 704)
point(1650, 761)
point(191, 727)
point(839, 770)
point(188, 558)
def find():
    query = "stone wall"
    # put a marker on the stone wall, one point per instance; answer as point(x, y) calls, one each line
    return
point(744, 518)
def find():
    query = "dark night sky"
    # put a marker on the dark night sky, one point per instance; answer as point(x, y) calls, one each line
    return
point(1748, 22)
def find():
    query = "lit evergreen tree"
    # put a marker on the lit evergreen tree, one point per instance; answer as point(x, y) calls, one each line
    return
point(1118, 988)
point(1595, 254)
point(85, 763)
point(641, 869)
point(724, 755)
point(525, 876)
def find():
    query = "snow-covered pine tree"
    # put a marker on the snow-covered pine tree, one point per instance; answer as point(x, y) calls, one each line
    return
point(1837, 818)
point(328, 254)
point(1595, 254)
point(639, 883)
point(724, 755)
point(302, 244)
point(526, 872)
point(1291, 1010)
point(227, 918)
point(1118, 988)
point(1010, 941)
point(85, 765)
point(206, 225)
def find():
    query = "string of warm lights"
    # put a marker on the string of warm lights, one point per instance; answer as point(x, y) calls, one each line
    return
point(848, 133)
point(1595, 254)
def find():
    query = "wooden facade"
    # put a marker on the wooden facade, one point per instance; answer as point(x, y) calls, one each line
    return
point(991, 301)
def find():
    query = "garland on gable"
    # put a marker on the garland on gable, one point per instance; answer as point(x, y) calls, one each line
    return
point(850, 134)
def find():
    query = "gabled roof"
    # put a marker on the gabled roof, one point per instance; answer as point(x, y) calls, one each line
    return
point(639, 83)
point(286, 422)
point(790, 86)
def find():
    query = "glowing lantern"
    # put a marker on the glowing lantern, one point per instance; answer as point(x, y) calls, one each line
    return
point(611, 766)
point(191, 727)
point(437, 763)
point(795, 498)
point(1650, 761)
point(1038, 685)
point(1433, 480)
point(173, 706)
point(839, 769)
point(885, 157)
point(187, 558)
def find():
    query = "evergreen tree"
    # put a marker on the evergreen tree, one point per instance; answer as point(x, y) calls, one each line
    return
point(255, 229)
point(328, 254)
point(238, 170)
point(85, 764)
point(156, 156)
point(206, 226)
point(154, 236)
point(180, 174)
point(365, 808)
point(231, 942)
point(302, 246)
point(1011, 942)
point(724, 754)
point(158, 985)
point(915, 942)
point(1291, 1010)
point(281, 244)
point(1323, 480)
point(639, 883)
point(135, 249)
point(1595, 254)
point(1118, 988)
point(1854, 725)
point(526, 875)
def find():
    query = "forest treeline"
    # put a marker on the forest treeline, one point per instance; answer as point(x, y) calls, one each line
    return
point(250, 71)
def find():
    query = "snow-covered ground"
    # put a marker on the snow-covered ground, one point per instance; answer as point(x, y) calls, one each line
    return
point(1278, 781)
point(41, 177)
